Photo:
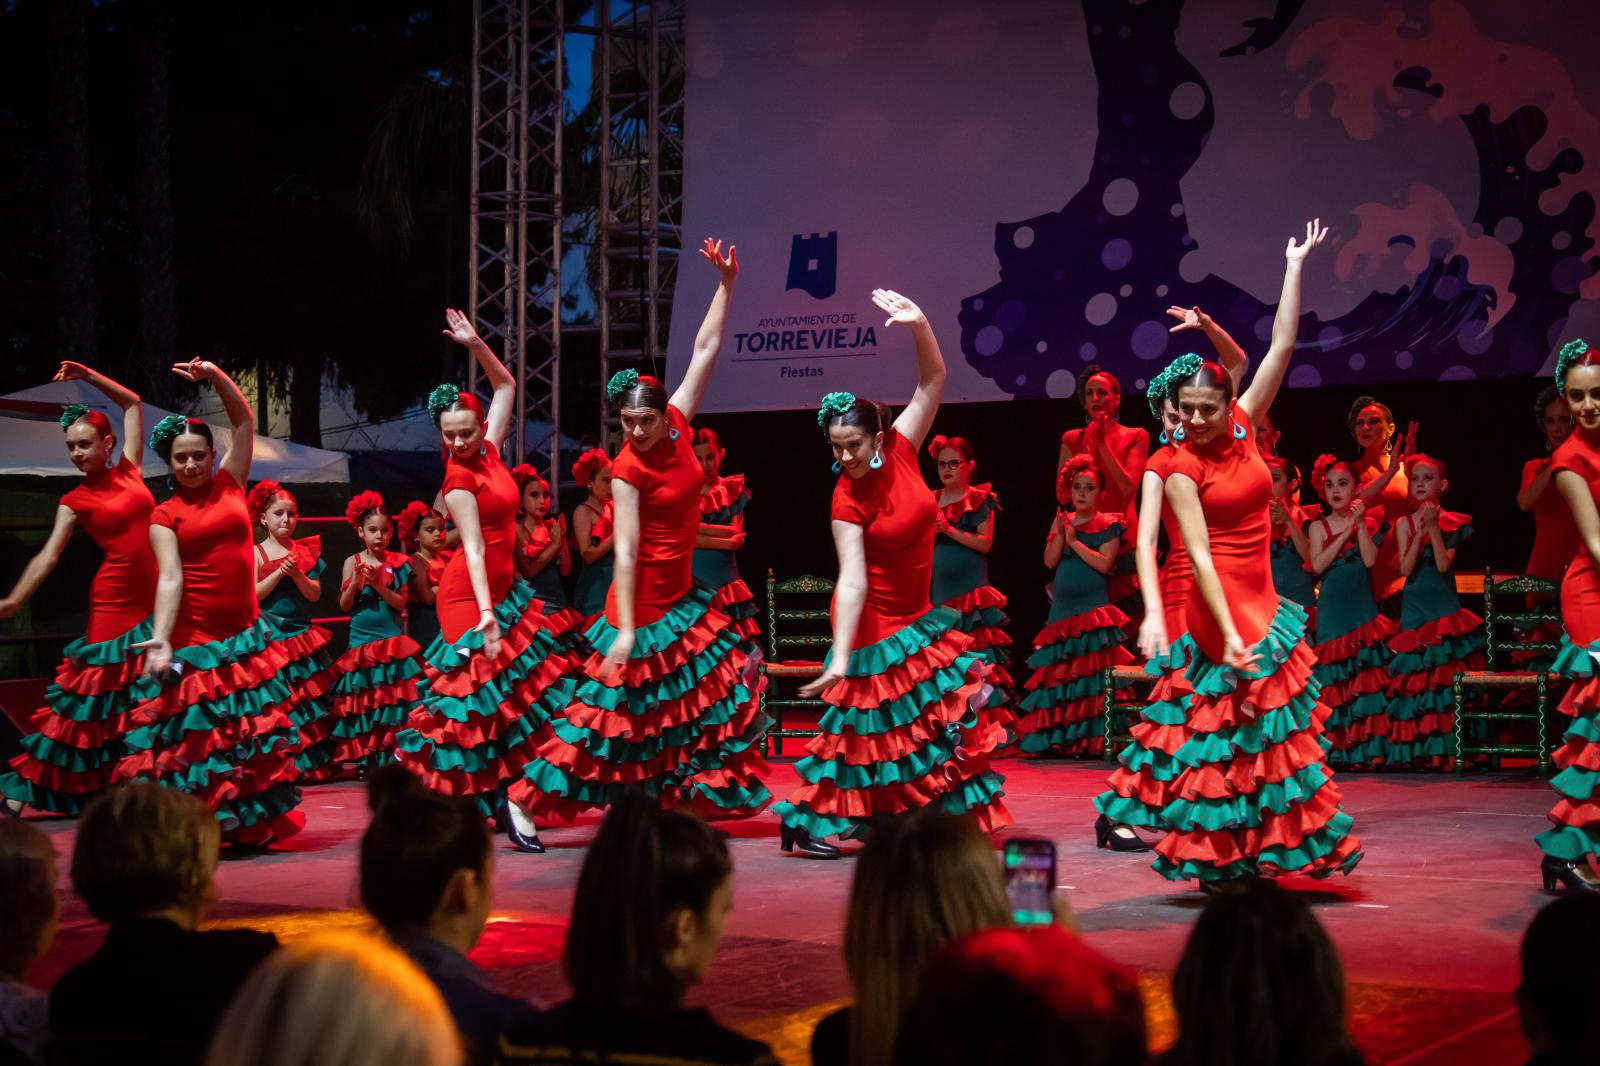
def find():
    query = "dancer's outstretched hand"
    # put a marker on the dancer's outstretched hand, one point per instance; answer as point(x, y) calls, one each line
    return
point(1238, 655)
point(459, 328)
point(1188, 318)
point(194, 370)
point(489, 626)
point(1315, 233)
point(829, 677)
point(617, 657)
point(898, 308)
point(1152, 635)
point(71, 371)
point(157, 656)
point(727, 266)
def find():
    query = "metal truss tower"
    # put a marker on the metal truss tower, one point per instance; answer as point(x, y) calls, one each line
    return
point(515, 224)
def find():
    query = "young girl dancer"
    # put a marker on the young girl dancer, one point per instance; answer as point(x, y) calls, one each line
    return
point(288, 584)
point(723, 500)
point(908, 726)
point(1437, 637)
point(217, 728)
point(1254, 796)
point(1291, 544)
point(1119, 452)
point(964, 537)
point(670, 703)
point(78, 736)
point(542, 555)
point(422, 535)
point(592, 532)
point(1141, 786)
point(1574, 841)
point(1352, 659)
point(496, 674)
point(376, 689)
point(1064, 710)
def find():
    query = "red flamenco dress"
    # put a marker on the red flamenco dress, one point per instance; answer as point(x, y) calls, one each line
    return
point(682, 722)
point(1353, 654)
point(1127, 443)
point(1576, 815)
point(722, 505)
point(376, 690)
point(1255, 796)
point(310, 671)
point(1141, 786)
point(1392, 504)
point(1063, 712)
point(220, 728)
point(565, 622)
point(1438, 638)
point(480, 720)
point(78, 732)
point(909, 725)
point(961, 583)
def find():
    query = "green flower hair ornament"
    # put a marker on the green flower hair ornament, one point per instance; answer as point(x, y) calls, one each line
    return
point(71, 413)
point(1161, 385)
point(835, 403)
point(166, 429)
point(620, 383)
point(440, 399)
point(1570, 353)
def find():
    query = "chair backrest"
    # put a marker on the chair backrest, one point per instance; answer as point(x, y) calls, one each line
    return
point(1500, 623)
point(798, 622)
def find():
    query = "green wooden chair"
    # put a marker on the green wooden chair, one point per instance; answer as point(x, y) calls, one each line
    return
point(799, 633)
point(1501, 643)
point(1126, 690)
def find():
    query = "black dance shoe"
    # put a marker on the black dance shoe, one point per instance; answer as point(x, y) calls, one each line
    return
point(1116, 836)
point(1570, 874)
point(792, 838)
point(528, 842)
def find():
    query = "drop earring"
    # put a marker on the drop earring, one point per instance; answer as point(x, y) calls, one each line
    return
point(877, 461)
point(1238, 431)
point(1179, 435)
point(672, 433)
point(1163, 437)
point(838, 467)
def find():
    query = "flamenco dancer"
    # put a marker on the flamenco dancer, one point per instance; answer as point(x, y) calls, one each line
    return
point(288, 586)
point(1291, 544)
point(1255, 796)
point(592, 532)
point(542, 555)
point(1571, 845)
point(496, 674)
point(1555, 536)
point(1351, 634)
point(1063, 712)
point(908, 727)
point(1381, 477)
point(218, 727)
point(964, 537)
point(422, 535)
point(376, 689)
point(670, 703)
point(78, 737)
point(1119, 452)
point(723, 500)
point(1438, 637)
point(1140, 787)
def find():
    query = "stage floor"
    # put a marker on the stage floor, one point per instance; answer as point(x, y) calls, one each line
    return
point(1428, 925)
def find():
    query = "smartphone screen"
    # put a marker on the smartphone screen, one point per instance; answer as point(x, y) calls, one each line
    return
point(1030, 871)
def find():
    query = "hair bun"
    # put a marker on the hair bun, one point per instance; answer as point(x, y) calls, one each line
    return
point(360, 505)
point(936, 445)
point(835, 403)
point(440, 400)
point(71, 413)
point(620, 383)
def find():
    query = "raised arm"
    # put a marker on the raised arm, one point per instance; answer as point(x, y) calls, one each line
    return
point(1183, 496)
point(1153, 628)
point(1325, 549)
point(1397, 458)
point(43, 561)
point(125, 399)
point(1229, 354)
point(503, 403)
point(624, 566)
point(708, 342)
point(1285, 324)
point(917, 418)
point(849, 596)
point(463, 508)
point(241, 421)
point(169, 593)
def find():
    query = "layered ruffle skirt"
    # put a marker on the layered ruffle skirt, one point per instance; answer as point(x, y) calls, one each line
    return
point(311, 675)
point(1576, 815)
point(1063, 711)
point(1142, 783)
point(1420, 715)
point(1353, 672)
point(374, 692)
point(982, 617)
point(909, 727)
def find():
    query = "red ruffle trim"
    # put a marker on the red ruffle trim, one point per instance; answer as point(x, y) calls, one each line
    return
point(565, 620)
point(473, 673)
point(828, 799)
point(1289, 830)
point(1140, 787)
point(1434, 632)
point(982, 598)
point(477, 731)
point(96, 680)
point(723, 494)
point(1377, 631)
point(205, 686)
point(690, 645)
point(1245, 775)
point(56, 779)
point(1105, 617)
point(585, 766)
point(197, 746)
point(509, 765)
point(1438, 677)
point(1583, 696)
point(1075, 669)
point(860, 749)
point(377, 653)
point(872, 690)
point(719, 684)
point(1245, 703)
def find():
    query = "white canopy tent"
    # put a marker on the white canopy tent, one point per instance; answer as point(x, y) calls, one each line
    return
point(31, 441)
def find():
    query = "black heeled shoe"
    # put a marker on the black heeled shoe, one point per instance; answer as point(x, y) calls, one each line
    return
point(1569, 874)
point(1116, 836)
point(528, 842)
point(792, 838)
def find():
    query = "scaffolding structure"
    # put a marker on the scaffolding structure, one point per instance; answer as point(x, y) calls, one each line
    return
point(518, 209)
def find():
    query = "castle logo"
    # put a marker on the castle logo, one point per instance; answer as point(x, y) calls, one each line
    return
point(814, 264)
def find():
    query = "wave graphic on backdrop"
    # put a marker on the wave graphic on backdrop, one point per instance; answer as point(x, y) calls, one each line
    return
point(1090, 282)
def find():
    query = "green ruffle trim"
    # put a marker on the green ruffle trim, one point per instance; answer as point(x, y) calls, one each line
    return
point(904, 709)
point(939, 751)
point(385, 719)
point(212, 715)
point(1422, 749)
point(982, 618)
point(900, 645)
point(975, 793)
point(1313, 848)
point(1252, 738)
point(1092, 640)
point(446, 656)
point(197, 776)
point(1064, 735)
point(102, 706)
point(1372, 656)
point(620, 750)
point(643, 699)
point(1439, 700)
point(66, 757)
point(1284, 633)
point(1569, 842)
point(261, 807)
point(379, 675)
point(311, 759)
point(284, 627)
point(1245, 812)
point(551, 705)
point(661, 634)
point(1450, 650)
point(1079, 688)
point(1573, 661)
point(15, 787)
point(118, 649)
point(242, 645)
point(1179, 654)
point(1345, 715)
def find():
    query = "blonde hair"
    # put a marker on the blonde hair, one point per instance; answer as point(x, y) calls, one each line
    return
point(28, 889)
point(337, 999)
point(144, 848)
point(922, 881)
